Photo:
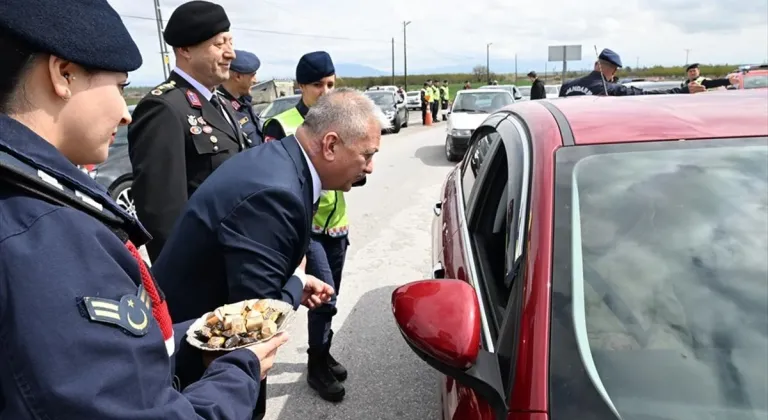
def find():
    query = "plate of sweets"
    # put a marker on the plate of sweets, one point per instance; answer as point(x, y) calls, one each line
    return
point(237, 325)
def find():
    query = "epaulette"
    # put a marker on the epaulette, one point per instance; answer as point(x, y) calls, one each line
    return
point(159, 90)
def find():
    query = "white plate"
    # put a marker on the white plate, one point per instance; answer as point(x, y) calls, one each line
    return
point(284, 308)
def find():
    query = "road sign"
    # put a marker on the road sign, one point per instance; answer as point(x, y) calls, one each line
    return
point(565, 53)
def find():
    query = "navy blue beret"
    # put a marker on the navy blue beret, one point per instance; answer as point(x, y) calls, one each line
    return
point(692, 66)
point(194, 22)
point(313, 67)
point(245, 62)
point(610, 57)
point(87, 32)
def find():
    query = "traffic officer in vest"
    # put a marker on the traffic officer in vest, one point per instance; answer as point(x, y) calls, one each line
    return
point(327, 252)
point(435, 107)
point(694, 76)
point(86, 330)
point(444, 98)
point(181, 132)
point(431, 99)
point(237, 90)
point(600, 81)
point(425, 95)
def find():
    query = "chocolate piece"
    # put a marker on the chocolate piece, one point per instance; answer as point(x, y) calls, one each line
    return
point(232, 342)
point(216, 342)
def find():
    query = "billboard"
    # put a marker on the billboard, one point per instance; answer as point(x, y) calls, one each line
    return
point(565, 53)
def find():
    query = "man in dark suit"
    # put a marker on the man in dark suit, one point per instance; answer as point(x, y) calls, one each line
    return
point(245, 231)
point(537, 87)
point(181, 131)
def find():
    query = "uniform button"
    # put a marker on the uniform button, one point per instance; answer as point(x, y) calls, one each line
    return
point(215, 148)
point(214, 140)
point(249, 141)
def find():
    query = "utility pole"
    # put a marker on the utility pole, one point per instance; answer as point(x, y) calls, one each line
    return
point(637, 63)
point(163, 47)
point(405, 56)
point(393, 61)
point(687, 53)
point(488, 61)
point(515, 68)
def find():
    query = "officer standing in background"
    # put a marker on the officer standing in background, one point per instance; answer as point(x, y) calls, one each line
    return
point(316, 75)
point(424, 94)
point(444, 98)
point(181, 131)
point(237, 90)
point(694, 76)
point(436, 103)
point(600, 81)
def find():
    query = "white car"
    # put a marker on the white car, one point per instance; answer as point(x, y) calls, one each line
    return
point(526, 92)
point(413, 99)
point(512, 89)
point(553, 91)
point(470, 108)
point(392, 88)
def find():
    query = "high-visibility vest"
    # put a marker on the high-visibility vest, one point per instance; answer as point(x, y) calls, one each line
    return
point(425, 91)
point(698, 80)
point(444, 95)
point(432, 94)
point(331, 215)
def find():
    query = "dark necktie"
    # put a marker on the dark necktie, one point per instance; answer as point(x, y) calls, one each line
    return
point(216, 102)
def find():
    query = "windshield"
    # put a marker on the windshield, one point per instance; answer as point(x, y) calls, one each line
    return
point(552, 90)
point(279, 106)
point(660, 286)
point(485, 102)
point(756, 81)
point(382, 98)
point(413, 93)
point(525, 90)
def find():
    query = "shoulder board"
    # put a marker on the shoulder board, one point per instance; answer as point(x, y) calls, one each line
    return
point(159, 90)
point(193, 99)
point(131, 313)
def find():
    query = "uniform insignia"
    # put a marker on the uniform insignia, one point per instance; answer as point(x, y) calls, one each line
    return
point(235, 105)
point(159, 90)
point(191, 120)
point(214, 140)
point(156, 92)
point(207, 129)
point(193, 99)
point(243, 121)
point(132, 312)
point(195, 129)
point(201, 121)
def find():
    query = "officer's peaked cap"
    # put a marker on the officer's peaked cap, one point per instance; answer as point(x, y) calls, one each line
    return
point(611, 57)
point(313, 67)
point(194, 22)
point(245, 62)
point(692, 66)
point(87, 32)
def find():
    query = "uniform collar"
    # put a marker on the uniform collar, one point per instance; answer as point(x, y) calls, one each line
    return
point(33, 150)
point(207, 94)
point(302, 108)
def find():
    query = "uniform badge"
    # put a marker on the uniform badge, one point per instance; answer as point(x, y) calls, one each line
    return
point(191, 120)
point(207, 129)
point(235, 105)
point(193, 99)
point(195, 129)
point(214, 140)
point(201, 121)
point(131, 312)
point(243, 121)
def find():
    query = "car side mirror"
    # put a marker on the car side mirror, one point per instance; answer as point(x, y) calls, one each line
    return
point(518, 96)
point(440, 321)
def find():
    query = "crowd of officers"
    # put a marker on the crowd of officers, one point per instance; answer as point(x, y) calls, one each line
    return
point(434, 100)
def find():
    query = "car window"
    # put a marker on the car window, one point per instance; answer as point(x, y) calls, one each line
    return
point(278, 106)
point(659, 288)
point(413, 94)
point(481, 102)
point(381, 98)
point(474, 161)
point(756, 81)
point(552, 90)
point(525, 90)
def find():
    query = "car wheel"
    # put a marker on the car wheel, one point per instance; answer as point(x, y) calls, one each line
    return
point(123, 197)
point(396, 125)
point(452, 157)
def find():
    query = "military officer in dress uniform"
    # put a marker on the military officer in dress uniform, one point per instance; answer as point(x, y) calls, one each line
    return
point(182, 131)
point(600, 81)
point(237, 90)
point(86, 331)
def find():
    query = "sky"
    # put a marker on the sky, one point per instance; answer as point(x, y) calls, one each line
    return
point(647, 32)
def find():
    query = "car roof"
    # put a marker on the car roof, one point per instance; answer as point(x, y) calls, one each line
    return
point(481, 90)
point(609, 119)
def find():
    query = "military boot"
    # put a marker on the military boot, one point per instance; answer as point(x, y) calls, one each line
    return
point(320, 377)
point(338, 370)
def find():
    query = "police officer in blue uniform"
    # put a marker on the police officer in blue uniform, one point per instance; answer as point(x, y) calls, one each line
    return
point(237, 90)
point(86, 331)
point(600, 81)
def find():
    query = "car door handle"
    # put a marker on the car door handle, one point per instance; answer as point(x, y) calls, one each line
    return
point(438, 272)
point(438, 208)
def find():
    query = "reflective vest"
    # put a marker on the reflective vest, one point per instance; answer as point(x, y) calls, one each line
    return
point(427, 93)
point(444, 93)
point(431, 90)
point(331, 215)
point(699, 80)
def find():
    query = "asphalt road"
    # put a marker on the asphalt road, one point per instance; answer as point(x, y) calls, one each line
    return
point(390, 219)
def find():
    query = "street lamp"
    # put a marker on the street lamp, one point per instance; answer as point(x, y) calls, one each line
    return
point(488, 61)
point(405, 56)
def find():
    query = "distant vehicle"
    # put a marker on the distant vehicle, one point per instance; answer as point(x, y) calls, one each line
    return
point(257, 108)
point(755, 77)
point(374, 88)
point(392, 106)
point(553, 91)
point(470, 108)
point(512, 89)
point(525, 91)
point(646, 86)
point(413, 100)
point(277, 106)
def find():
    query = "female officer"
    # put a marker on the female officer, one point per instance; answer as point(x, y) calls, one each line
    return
point(84, 331)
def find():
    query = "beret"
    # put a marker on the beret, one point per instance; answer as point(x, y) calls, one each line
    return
point(313, 67)
point(692, 66)
point(611, 57)
point(245, 62)
point(194, 22)
point(87, 32)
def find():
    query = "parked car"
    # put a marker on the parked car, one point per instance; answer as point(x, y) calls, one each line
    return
point(514, 90)
point(393, 107)
point(754, 77)
point(413, 100)
point(602, 258)
point(470, 108)
point(525, 91)
point(388, 88)
point(276, 107)
point(553, 91)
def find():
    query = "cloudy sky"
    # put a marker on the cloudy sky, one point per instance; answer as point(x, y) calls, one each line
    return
point(360, 31)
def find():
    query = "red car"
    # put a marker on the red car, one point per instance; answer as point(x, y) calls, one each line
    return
point(602, 258)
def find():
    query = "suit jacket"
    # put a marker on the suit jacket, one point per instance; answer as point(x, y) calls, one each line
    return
point(176, 140)
point(537, 90)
